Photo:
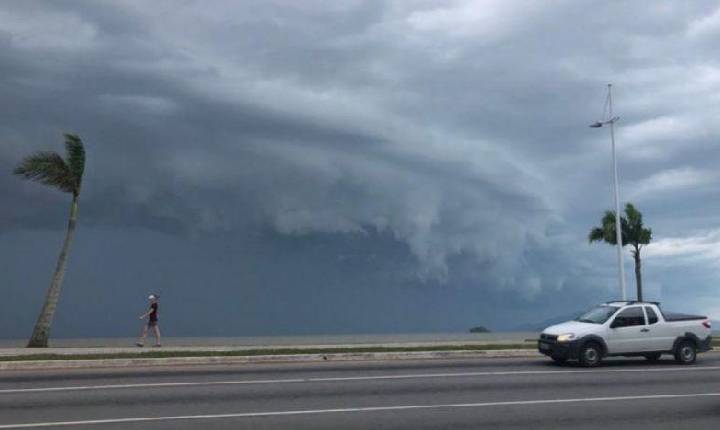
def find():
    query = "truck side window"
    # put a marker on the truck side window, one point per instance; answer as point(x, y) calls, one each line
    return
point(630, 317)
point(652, 316)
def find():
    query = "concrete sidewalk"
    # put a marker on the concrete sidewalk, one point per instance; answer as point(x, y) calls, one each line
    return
point(5, 352)
point(294, 340)
point(258, 359)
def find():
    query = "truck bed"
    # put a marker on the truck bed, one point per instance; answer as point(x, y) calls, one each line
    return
point(674, 317)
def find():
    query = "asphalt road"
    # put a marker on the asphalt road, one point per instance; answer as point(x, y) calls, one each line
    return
point(486, 393)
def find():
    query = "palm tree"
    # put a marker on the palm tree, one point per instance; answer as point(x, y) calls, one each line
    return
point(633, 233)
point(51, 169)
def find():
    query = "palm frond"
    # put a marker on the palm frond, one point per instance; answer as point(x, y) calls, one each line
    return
point(645, 236)
point(47, 168)
point(75, 157)
point(596, 235)
point(637, 233)
point(606, 232)
point(608, 219)
point(631, 228)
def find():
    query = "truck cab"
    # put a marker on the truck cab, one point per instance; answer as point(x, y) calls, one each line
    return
point(623, 328)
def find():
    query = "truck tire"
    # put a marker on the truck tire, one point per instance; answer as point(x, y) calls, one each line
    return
point(590, 355)
point(653, 357)
point(685, 352)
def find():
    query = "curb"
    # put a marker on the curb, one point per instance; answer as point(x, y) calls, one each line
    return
point(259, 359)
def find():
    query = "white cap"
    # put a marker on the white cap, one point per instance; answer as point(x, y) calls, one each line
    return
point(151, 296)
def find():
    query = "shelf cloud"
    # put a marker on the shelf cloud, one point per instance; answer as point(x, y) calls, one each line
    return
point(431, 148)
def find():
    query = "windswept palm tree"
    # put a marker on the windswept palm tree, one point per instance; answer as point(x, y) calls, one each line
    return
point(51, 169)
point(633, 233)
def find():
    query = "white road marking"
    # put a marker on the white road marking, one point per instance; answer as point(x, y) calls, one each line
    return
point(359, 409)
point(355, 378)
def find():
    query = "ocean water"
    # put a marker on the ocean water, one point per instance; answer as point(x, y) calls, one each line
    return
point(248, 341)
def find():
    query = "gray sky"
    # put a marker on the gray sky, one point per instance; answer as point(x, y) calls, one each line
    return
point(280, 167)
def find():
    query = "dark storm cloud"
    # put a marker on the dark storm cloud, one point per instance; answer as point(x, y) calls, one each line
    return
point(455, 131)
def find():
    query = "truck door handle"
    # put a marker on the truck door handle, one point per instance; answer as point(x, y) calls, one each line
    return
point(645, 330)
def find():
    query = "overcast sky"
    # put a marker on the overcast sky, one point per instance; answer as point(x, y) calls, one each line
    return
point(283, 167)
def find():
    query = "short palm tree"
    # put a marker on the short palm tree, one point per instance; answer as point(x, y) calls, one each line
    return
point(51, 169)
point(633, 233)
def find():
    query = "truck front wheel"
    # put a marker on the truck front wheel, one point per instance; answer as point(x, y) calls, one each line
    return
point(685, 352)
point(590, 355)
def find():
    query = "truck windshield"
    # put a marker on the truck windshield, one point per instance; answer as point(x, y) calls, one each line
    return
point(598, 314)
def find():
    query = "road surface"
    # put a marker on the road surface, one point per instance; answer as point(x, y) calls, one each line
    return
point(456, 394)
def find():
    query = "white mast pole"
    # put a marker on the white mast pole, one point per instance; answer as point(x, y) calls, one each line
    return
point(618, 227)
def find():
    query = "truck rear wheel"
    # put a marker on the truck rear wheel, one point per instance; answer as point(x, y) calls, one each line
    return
point(590, 355)
point(685, 352)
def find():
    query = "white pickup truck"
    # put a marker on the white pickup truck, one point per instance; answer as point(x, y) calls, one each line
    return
point(627, 329)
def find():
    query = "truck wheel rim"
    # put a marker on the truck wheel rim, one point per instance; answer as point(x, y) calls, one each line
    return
point(687, 353)
point(590, 355)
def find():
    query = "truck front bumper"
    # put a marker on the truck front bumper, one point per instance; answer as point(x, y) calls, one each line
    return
point(562, 350)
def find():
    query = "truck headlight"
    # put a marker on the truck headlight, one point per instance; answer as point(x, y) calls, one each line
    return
point(566, 337)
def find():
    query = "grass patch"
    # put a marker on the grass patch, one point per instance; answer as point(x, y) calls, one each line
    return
point(256, 352)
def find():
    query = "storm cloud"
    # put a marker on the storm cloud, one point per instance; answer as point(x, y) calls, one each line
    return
point(278, 166)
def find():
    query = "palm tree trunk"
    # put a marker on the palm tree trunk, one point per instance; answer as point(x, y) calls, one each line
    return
point(638, 274)
point(41, 332)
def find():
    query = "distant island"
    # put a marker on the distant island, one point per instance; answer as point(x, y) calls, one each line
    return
point(479, 329)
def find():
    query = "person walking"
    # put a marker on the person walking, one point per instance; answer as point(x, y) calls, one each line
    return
point(152, 316)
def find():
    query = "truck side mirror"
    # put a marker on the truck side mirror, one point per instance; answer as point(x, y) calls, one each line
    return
point(617, 323)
